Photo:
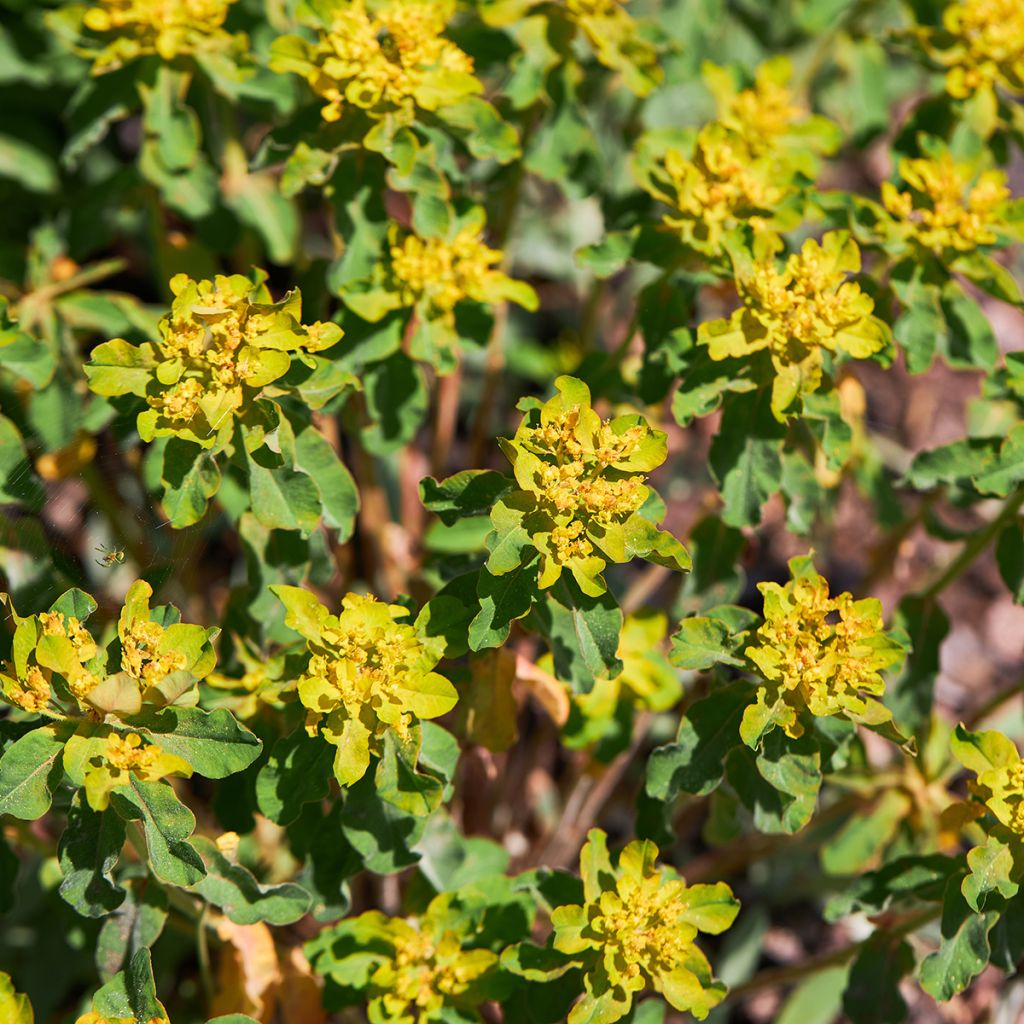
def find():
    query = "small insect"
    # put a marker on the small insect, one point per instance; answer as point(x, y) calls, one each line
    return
point(111, 556)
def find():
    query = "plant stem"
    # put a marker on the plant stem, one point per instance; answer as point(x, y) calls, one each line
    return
point(446, 414)
point(975, 545)
point(994, 703)
point(203, 955)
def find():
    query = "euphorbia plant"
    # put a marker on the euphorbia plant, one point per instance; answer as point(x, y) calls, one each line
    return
point(606, 499)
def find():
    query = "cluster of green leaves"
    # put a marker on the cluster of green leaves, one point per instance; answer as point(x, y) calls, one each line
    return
point(556, 210)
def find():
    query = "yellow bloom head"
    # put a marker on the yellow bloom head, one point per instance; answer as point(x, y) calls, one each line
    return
point(441, 273)
point(797, 311)
point(583, 478)
point(112, 762)
point(223, 341)
point(718, 187)
point(636, 929)
point(382, 59)
point(58, 666)
point(817, 653)
point(613, 34)
point(981, 45)
point(947, 206)
point(411, 969)
point(167, 28)
point(769, 117)
point(369, 673)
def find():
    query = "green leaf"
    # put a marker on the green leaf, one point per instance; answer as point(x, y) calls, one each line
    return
point(233, 889)
point(745, 457)
point(971, 342)
point(1006, 471)
point(860, 843)
point(136, 925)
point(695, 763)
point(118, 368)
point(383, 835)
point(702, 642)
point(775, 811)
point(510, 539)
point(190, 478)
point(1010, 556)
point(872, 993)
point(30, 770)
point(980, 751)
point(909, 695)
point(472, 492)
point(89, 849)
point(18, 482)
point(22, 355)
point(503, 599)
point(965, 947)
point(296, 773)
point(132, 992)
point(400, 784)
point(816, 1000)
point(282, 498)
point(167, 823)
point(338, 495)
point(452, 860)
point(991, 866)
point(792, 766)
point(214, 743)
point(396, 399)
point(717, 576)
point(582, 632)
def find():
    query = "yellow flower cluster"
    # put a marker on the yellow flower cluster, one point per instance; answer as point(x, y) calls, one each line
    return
point(444, 273)
point(947, 206)
point(819, 653)
point(612, 33)
point(368, 673)
point(32, 693)
point(81, 647)
point(581, 488)
point(796, 312)
point(426, 972)
point(167, 28)
point(223, 341)
point(982, 47)
point(392, 58)
point(721, 186)
point(769, 117)
point(213, 341)
point(763, 112)
point(412, 970)
point(141, 656)
point(123, 756)
point(642, 925)
point(1007, 799)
